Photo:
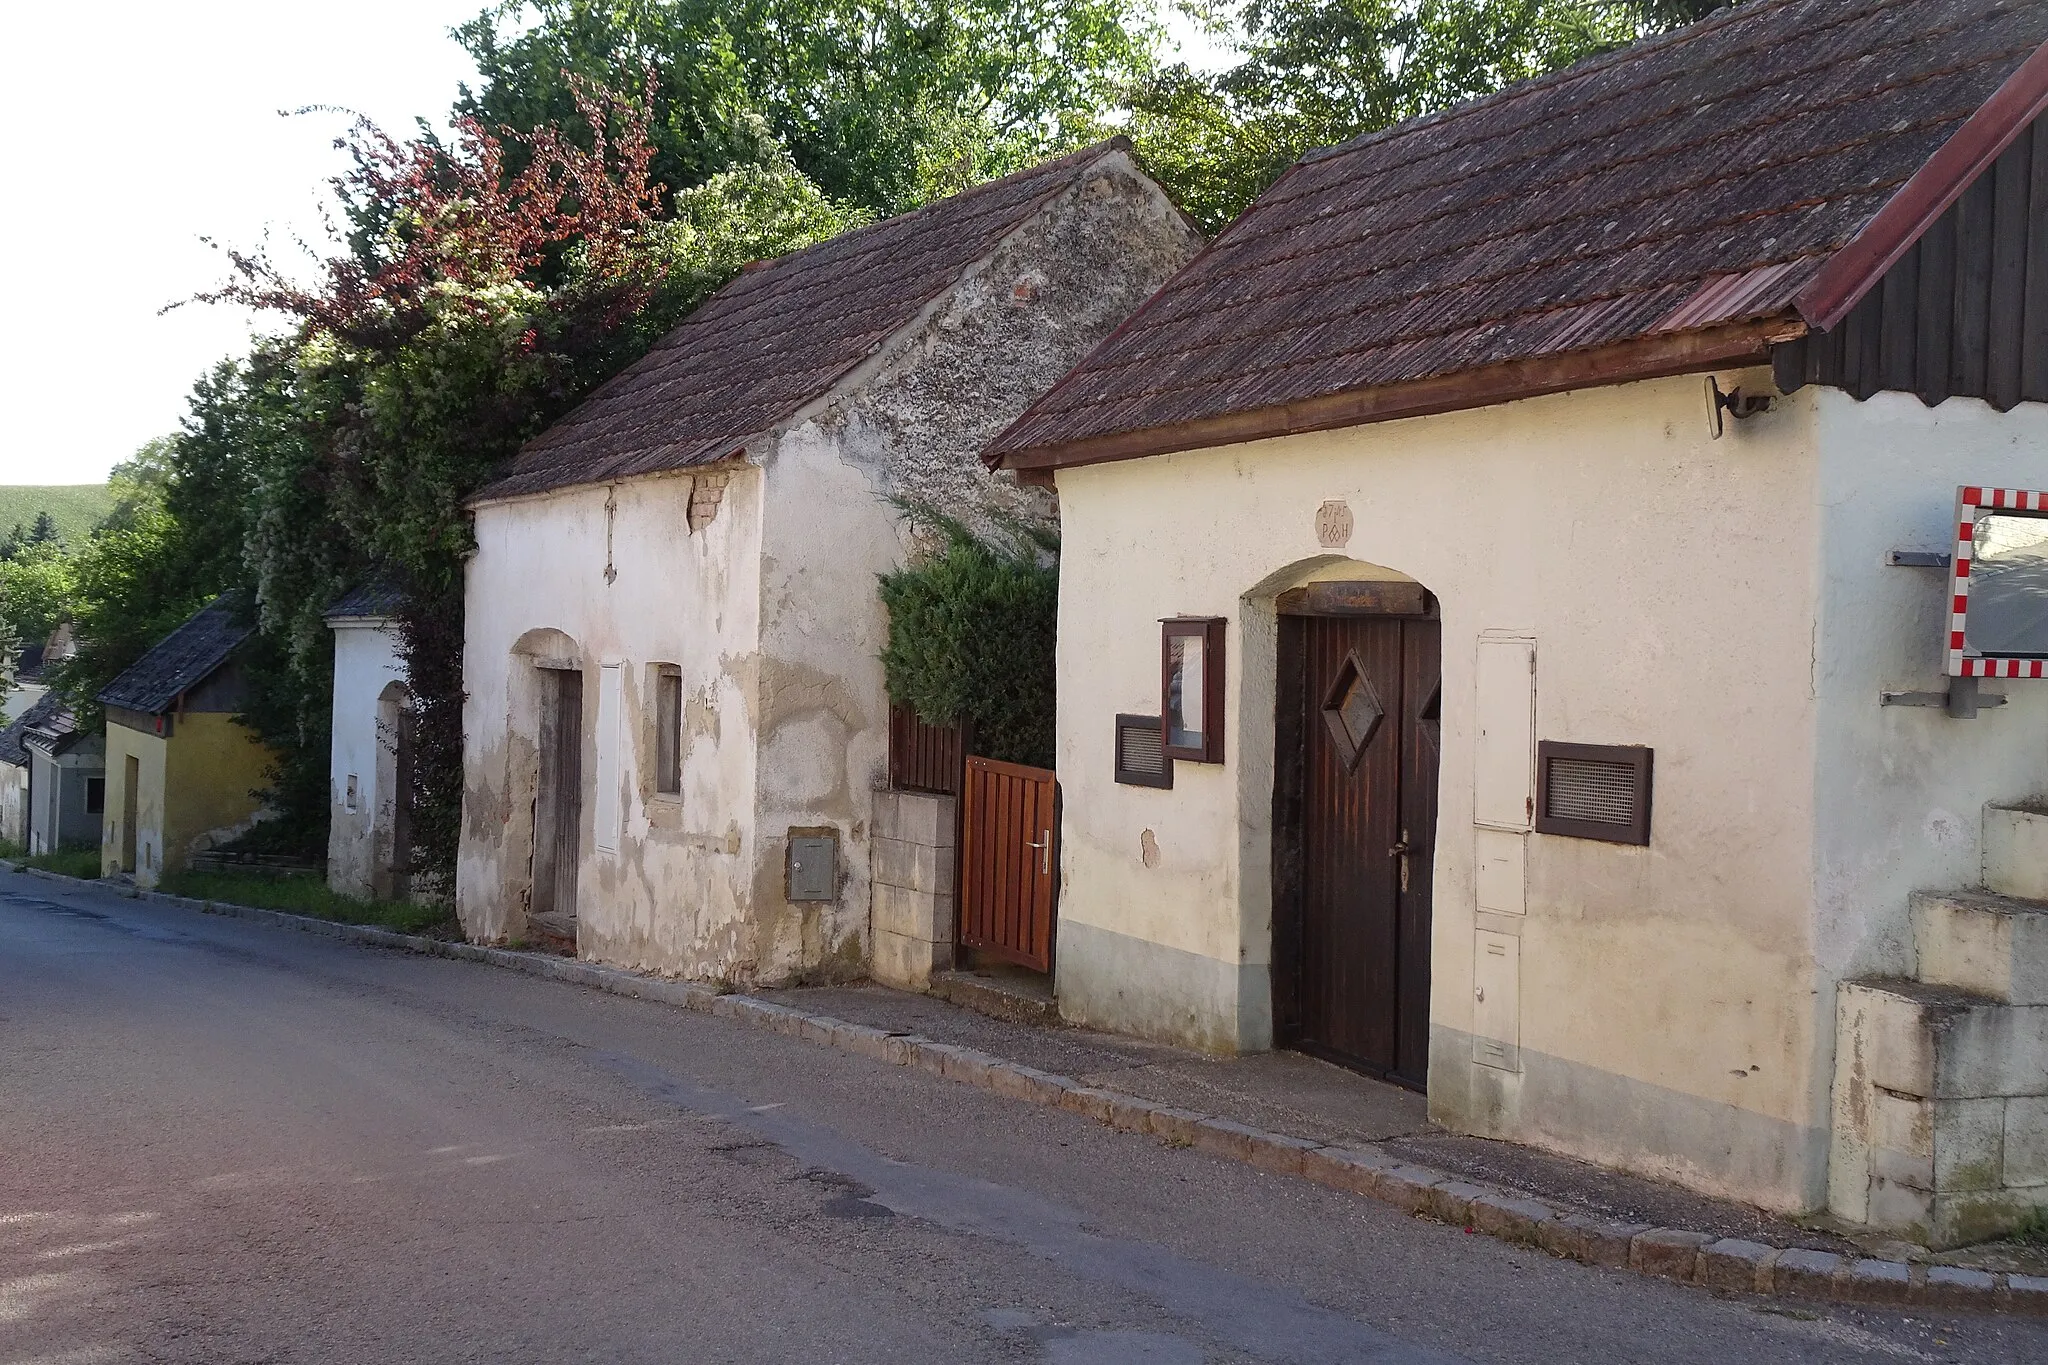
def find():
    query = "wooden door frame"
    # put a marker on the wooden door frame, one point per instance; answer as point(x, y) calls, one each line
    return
point(1387, 600)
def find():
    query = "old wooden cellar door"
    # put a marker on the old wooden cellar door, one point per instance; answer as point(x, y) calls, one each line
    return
point(1355, 824)
point(558, 803)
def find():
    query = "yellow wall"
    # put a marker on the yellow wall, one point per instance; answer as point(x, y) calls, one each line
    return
point(148, 751)
point(199, 784)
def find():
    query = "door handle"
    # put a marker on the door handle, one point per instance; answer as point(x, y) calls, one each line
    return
point(1400, 850)
point(1044, 853)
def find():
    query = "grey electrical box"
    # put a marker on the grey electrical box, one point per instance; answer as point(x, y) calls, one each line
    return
point(813, 865)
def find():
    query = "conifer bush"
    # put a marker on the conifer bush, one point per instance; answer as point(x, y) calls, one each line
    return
point(971, 632)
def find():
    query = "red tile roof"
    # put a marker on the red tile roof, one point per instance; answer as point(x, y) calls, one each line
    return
point(781, 334)
point(1693, 183)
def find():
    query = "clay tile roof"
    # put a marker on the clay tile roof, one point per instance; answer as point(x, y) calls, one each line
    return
point(779, 335)
point(180, 660)
point(14, 735)
point(1698, 180)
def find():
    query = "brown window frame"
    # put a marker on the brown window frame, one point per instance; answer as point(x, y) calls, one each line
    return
point(1133, 777)
point(1636, 831)
point(668, 730)
point(1209, 630)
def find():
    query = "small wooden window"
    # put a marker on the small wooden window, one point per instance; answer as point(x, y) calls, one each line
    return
point(1141, 759)
point(1191, 690)
point(668, 730)
point(1593, 791)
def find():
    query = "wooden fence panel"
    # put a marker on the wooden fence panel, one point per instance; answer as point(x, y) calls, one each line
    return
point(924, 758)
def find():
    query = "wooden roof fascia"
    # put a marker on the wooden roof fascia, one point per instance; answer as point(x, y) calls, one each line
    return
point(1651, 357)
point(1891, 232)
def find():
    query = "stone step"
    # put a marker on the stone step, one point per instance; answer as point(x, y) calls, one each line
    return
point(1988, 944)
point(1940, 1123)
point(1015, 995)
point(2016, 850)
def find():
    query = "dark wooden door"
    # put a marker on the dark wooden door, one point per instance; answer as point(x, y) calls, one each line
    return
point(558, 801)
point(1355, 834)
point(1009, 861)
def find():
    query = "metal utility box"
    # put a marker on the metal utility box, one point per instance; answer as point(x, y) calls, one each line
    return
point(813, 872)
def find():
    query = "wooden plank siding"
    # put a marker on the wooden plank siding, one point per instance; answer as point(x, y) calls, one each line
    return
point(1964, 313)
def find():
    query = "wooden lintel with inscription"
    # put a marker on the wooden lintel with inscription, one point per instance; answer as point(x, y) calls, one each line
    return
point(1357, 599)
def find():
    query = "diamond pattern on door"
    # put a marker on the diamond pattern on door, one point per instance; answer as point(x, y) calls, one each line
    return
point(1353, 711)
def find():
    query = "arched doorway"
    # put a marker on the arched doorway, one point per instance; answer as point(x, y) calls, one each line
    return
point(391, 830)
point(1355, 798)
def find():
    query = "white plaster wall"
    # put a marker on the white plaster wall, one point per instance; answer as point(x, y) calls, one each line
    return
point(1668, 580)
point(673, 897)
point(366, 661)
point(828, 537)
point(1900, 790)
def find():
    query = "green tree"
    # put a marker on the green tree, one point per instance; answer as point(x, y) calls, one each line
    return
point(44, 531)
point(880, 103)
point(36, 589)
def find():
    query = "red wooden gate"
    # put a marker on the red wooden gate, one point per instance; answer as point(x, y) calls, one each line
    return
point(1009, 824)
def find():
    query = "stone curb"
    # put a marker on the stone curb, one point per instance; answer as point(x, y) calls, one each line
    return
point(1726, 1265)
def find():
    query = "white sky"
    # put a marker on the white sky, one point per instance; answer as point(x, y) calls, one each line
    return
point(149, 126)
point(137, 128)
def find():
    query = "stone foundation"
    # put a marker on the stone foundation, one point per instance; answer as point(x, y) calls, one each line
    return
point(911, 874)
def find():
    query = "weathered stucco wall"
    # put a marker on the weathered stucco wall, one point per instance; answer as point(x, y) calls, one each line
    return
point(61, 818)
point(909, 425)
point(771, 613)
point(366, 664)
point(672, 896)
point(213, 768)
point(14, 803)
point(1901, 789)
point(1667, 1000)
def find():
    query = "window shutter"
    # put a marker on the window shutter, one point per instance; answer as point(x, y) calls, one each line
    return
point(1141, 759)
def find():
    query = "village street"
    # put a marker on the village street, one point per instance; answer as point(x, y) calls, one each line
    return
point(223, 1142)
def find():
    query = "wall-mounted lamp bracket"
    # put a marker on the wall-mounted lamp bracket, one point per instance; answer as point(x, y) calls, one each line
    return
point(1962, 700)
point(1735, 403)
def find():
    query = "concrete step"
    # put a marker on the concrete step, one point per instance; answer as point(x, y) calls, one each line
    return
point(2016, 850)
point(1988, 944)
point(1013, 994)
point(1940, 1125)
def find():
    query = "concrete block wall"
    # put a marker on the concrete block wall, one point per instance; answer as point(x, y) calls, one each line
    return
point(911, 872)
point(1941, 1082)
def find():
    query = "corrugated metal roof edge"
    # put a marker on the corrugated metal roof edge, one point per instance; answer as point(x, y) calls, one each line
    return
point(1657, 356)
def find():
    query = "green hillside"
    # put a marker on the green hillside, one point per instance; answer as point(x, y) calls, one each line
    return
point(77, 507)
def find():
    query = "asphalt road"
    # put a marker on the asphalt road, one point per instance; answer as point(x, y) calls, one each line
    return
point(224, 1143)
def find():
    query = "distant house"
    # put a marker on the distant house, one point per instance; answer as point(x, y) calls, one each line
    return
point(675, 713)
point(182, 774)
point(368, 845)
point(14, 771)
point(1513, 631)
point(67, 783)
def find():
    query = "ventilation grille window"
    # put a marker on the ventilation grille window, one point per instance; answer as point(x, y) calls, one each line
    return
point(1141, 759)
point(1589, 791)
